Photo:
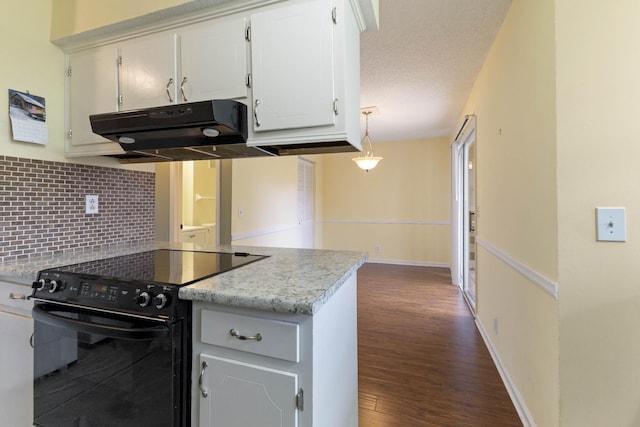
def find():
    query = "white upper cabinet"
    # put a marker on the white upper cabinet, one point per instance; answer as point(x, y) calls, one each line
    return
point(293, 67)
point(294, 63)
point(92, 87)
point(148, 71)
point(213, 60)
point(199, 62)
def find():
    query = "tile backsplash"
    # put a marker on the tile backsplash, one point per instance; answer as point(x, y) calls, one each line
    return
point(42, 207)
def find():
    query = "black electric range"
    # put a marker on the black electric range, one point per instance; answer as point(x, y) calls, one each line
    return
point(144, 283)
point(112, 341)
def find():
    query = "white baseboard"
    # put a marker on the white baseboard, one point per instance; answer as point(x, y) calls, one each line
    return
point(408, 262)
point(516, 398)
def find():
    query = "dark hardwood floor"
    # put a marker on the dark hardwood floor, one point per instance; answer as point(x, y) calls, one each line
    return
point(422, 361)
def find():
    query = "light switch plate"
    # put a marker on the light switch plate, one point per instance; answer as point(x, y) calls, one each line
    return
point(611, 226)
point(91, 204)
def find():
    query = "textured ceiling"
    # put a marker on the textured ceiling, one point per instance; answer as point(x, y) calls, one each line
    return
point(419, 67)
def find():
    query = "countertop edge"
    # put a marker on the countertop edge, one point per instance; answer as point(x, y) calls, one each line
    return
point(298, 281)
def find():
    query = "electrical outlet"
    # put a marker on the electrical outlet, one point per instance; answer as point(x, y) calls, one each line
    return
point(240, 212)
point(91, 204)
point(378, 248)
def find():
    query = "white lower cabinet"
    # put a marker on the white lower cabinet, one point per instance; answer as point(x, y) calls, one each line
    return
point(198, 236)
point(16, 356)
point(262, 368)
point(237, 394)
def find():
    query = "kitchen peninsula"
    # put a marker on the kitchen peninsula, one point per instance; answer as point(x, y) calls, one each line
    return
point(274, 340)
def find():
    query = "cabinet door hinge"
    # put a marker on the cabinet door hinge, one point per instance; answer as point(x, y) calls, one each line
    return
point(120, 99)
point(70, 134)
point(249, 80)
point(120, 60)
point(334, 15)
point(247, 33)
point(335, 106)
point(69, 71)
point(300, 400)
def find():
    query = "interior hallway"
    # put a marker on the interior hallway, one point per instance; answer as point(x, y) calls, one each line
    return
point(422, 361)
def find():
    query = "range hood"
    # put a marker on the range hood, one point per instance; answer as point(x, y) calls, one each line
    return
point(204, 130)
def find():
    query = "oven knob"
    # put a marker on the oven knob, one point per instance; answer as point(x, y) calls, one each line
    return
point(38, 285)
point(143, 299)
point(54, 286)
point(160, 301)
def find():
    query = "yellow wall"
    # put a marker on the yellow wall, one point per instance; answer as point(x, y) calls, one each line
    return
point(402, 205)
point(514, 101)
point(31, 64)
point(205, 177)
point(71, 17)
point(199, 178)
point(598, 79)
point(265, 189)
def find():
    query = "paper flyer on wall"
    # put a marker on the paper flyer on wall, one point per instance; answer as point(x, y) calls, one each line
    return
point(28, 117)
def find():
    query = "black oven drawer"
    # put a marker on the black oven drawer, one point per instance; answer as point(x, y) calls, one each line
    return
point(104, 369)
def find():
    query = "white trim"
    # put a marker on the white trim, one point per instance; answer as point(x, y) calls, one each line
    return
point(408, 262)
point(547, 285)
point(263, 232)
point(517, 399)
point(387, 221)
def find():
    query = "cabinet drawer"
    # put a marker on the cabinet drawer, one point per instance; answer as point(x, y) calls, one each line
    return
point(13, 298)
point(277, 338)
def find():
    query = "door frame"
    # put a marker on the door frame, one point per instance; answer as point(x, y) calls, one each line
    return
point(459, 206)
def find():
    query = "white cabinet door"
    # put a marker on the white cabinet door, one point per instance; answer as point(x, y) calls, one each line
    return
point(16, 370)
point(92, 88)
point(293, 67)
point(241, 394)
point(148, 71)
point(214, 61)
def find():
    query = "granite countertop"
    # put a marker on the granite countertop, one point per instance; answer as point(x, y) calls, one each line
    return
point(288, 281)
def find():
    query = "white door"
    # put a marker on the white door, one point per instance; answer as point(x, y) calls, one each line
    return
point(305, 202)
point(213, 61)
point(464, 211)
point(16, 369)
point(148, 72)
point(93, 88)
point(241, 394)
point(292, 67)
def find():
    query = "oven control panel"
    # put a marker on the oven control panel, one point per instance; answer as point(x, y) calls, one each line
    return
point(95, 292)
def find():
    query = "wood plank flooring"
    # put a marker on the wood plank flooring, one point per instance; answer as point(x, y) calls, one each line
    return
point(422, 361)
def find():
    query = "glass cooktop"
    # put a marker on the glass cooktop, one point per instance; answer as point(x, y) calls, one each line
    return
point(163, 266)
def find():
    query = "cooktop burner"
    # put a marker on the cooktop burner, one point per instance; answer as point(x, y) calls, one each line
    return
point(163, 266)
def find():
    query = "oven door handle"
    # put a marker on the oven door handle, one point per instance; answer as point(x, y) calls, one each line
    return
point(146, 332)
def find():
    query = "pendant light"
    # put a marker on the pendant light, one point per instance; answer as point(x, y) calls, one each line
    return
point(368, 161)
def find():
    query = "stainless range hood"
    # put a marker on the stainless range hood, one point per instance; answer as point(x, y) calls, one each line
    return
point(204, 130)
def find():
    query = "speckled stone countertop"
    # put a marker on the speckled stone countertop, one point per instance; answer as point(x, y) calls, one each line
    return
point(288, 281)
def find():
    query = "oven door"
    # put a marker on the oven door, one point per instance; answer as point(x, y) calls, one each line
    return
point(100, 369)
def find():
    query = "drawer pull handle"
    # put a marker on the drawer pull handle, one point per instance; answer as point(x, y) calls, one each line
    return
point(234, 333)
point(17, 296)
point(202, 390)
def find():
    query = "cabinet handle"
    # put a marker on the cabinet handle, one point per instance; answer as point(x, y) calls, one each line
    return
point(17, 296)
point(204, 392)
point(255, 112)
point(234, 333)
point(184, 80)
point(31, 340)
point(169, 93)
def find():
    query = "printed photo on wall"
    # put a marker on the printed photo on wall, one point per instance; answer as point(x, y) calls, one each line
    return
point(28, 117)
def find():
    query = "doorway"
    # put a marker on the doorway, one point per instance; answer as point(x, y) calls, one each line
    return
point(464, 211)
point(305, 203)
